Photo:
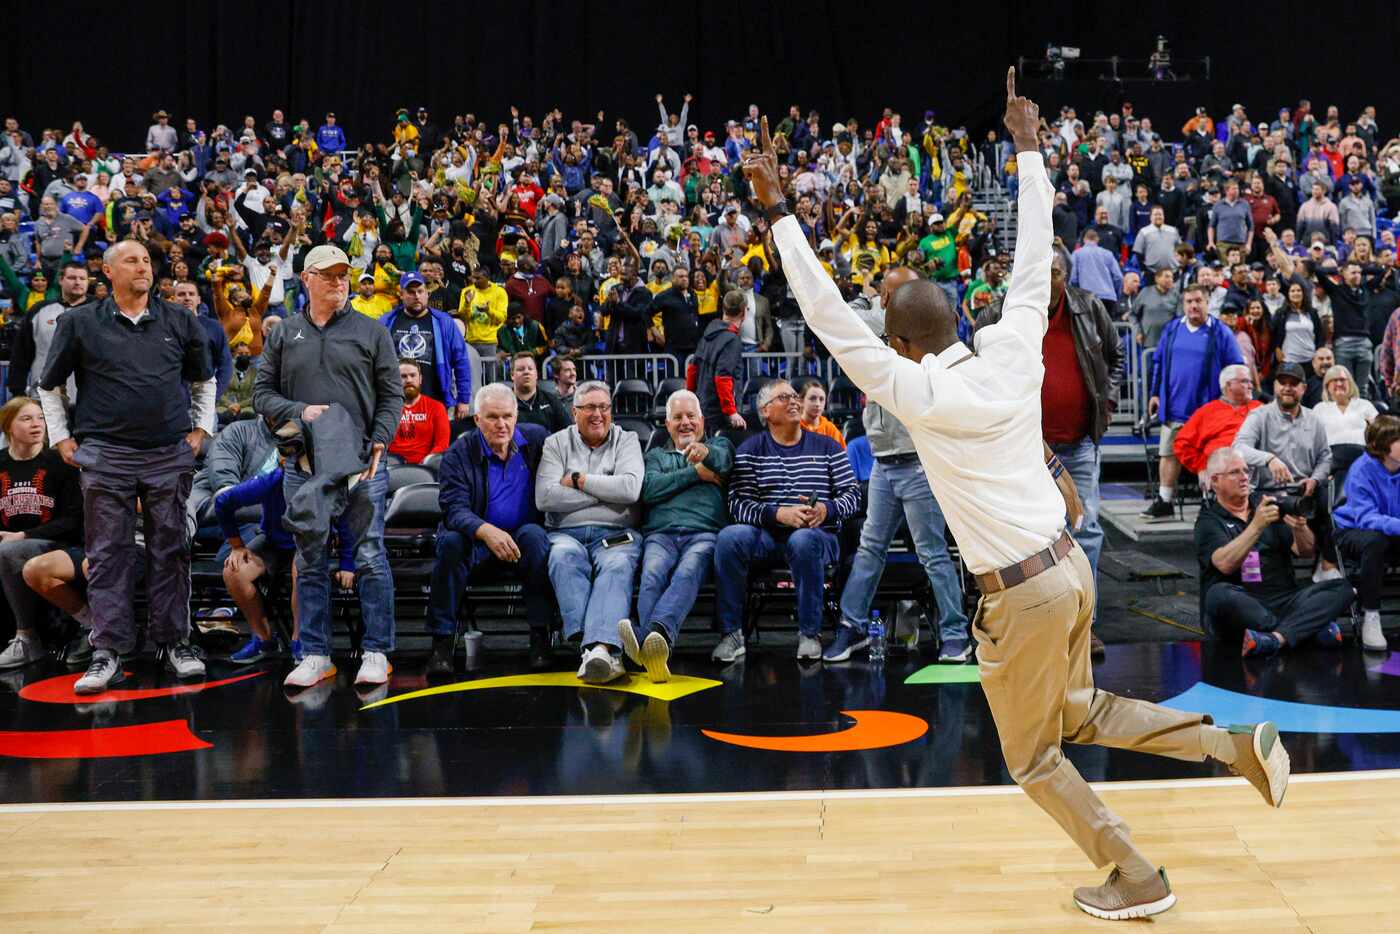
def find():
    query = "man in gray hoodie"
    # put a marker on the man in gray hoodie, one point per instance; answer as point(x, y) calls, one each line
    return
point(588, 484)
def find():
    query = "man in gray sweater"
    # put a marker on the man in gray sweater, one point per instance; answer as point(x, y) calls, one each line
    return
point(588, 484)
point(333, 354)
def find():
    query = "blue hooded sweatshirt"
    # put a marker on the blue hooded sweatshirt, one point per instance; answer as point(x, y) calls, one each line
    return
point(1373, 498)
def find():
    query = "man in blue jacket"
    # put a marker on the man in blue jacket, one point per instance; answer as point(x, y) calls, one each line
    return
point(490, 525)
point(430, 337)
point(331, 138)
point(1191, 352)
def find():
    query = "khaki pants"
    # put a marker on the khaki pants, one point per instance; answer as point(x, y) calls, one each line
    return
point(1033, 653)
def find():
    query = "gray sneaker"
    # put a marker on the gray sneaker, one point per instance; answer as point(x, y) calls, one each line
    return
point(809, 647)
point(20, 652)
point(182, 662)
point(103, 672)
point(1120, 900)
point(731, 647)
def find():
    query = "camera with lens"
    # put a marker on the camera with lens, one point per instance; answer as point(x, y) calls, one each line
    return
point(1291, 500)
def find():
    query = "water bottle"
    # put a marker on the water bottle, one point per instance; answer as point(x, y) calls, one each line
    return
point(877, 638)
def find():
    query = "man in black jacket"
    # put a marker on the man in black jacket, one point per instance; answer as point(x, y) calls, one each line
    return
point(680, 315)
point(716, 373)
point(1079, 395)
point(490, 525)
point(135, 433)
point(629, 306)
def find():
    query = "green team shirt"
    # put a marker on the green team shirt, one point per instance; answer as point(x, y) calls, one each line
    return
point(941, 247)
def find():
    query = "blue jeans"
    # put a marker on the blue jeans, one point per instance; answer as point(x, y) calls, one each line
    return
point(1081, 459)
point(458, 559)
point(593, 584)
point(806, 552)
point(364, 515)
point(901, 491)
point(950, 289)
point(675, 565)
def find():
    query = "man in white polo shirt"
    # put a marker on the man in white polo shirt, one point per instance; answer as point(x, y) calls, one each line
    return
point(975, 420)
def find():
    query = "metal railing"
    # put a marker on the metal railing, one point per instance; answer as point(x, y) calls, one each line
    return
point(613, 368)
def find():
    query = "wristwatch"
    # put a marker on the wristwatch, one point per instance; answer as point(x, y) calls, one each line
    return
point(573, 478)
point(776, 212)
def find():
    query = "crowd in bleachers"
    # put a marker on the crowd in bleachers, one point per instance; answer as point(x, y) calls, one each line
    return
point(621, 296)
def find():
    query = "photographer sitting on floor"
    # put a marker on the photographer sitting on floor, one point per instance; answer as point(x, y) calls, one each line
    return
point(1245, 545)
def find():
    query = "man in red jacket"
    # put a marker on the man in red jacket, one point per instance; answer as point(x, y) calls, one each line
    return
point(1215, 424)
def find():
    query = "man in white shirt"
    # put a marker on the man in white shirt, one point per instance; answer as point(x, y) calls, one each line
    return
point(975, 420)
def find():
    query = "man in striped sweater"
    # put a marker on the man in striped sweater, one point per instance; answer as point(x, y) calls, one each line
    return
point(788, 493)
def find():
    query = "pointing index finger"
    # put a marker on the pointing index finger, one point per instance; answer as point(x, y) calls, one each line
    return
point(1011, 83)
point(765, 142)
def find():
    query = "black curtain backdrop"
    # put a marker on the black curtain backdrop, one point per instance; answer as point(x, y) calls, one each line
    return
point(217, 60)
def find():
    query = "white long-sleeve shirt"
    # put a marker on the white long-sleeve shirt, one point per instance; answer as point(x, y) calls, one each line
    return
point(976, 425)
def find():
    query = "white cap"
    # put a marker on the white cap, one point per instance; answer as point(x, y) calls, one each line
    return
point(325, 256)
point(935, 218)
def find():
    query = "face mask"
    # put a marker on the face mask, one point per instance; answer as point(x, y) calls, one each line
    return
point(242, 363)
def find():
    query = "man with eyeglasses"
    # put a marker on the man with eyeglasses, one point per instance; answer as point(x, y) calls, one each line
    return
point(589, 480)
point(788, 493)
point(1246, 547)
point(332, 354)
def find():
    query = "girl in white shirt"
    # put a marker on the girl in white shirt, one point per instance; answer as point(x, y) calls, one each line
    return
point(1343, 413)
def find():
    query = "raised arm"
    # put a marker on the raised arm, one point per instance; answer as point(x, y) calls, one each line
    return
point(898, 384)
point(1024, 310)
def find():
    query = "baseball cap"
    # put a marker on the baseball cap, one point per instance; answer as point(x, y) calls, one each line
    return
point(730, 209)
point(411, 278)
point(366, 275)
point(1291, 371)
point(935, 218)
point(825, 245)
point(325, 256)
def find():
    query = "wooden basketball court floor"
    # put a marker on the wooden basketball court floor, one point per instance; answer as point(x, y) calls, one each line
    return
point(759, 796)
point(951, 859)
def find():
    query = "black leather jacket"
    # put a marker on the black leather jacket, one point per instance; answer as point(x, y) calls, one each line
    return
point(1096, 344)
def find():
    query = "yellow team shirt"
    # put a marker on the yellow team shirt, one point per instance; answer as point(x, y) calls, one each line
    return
point(755, 250)
point(484, 311)
point(376, 306)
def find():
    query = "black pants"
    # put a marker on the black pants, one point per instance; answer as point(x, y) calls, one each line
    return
point(1365, 553)
point(1296, 616)
point(113, 479)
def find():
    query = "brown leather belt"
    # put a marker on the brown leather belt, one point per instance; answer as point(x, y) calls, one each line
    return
point(1022, 571)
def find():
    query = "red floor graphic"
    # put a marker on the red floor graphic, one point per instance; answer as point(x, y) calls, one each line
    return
point(143, 739)
point(59, 690)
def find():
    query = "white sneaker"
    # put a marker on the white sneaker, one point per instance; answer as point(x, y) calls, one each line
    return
point(809, 647)
point(1331, 574)
point(374, 669)
point(20, 652)
point(313, 668)
point(600, 666)
point(730, 648)
point(1372, 636)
